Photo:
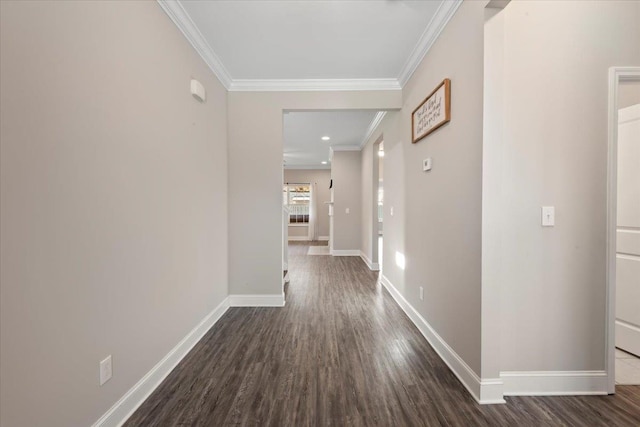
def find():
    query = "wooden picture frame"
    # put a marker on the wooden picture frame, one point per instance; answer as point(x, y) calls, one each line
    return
point(432, 113)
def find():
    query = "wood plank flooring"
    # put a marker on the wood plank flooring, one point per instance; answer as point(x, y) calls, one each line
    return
point(342, 353)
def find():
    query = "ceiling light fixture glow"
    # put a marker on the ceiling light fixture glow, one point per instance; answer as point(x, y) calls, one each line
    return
point(381, 153)
point(325, 138)
point(324, 163)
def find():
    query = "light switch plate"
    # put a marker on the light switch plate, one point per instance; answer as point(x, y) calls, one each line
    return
point(426, 164)
point(391, 211)
point(548, 216)
point(346, 210)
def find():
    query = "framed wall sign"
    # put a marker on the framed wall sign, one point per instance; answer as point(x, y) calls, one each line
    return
point(432, 113)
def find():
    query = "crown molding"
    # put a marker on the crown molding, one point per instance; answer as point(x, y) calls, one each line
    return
point(181, 18)
point(445, 12)
point(312, 85)
point(308, 167)
point(346, 148)
point(372, 127)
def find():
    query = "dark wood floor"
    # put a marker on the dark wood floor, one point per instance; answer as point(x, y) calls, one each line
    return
point(342, 353)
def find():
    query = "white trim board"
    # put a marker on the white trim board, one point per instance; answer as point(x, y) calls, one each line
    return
point(307, 167)
point(298, 238)
point(616, 75)
point(372, 127)
point(183, 21)
point(335, 148)
point(132, 399)
point(485, 391)
point(345, 252)
point(554, 383)
point(373, 266)
point(439, 21)
point(312, 85)
point(266, 300)
point(176, 12)
point(323, 238)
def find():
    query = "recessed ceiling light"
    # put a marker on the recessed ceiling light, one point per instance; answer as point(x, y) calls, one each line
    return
point(324, 163)
point(325, 138)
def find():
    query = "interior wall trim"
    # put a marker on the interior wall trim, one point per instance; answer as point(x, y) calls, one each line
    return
point(176, 12)
point(372, 127)
point(373, 266)
point(344, 148)
point(312, 85)
point(554, 383)
point(298, 238)
point(485, 391)
point(132, 399)
point(443, 15)
point(253, 300)
point(181, 18)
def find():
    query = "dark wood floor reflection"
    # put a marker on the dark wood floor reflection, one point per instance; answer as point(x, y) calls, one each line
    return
point(342, 353)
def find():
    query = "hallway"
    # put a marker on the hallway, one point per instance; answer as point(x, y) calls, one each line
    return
point(341, 352)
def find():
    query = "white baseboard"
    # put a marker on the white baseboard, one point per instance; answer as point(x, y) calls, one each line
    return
point(126, 406)
point(374, 266)
point(554, 383)
point(345, 252)
point(627, 337)
point(298, 239)
point(269, 300)
point(323, 238)
point(485, 391)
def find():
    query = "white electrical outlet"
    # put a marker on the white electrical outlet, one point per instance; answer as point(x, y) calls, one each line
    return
point(421, 293)
point(106, 370)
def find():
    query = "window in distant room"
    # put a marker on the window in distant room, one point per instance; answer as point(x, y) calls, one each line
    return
point(297, 198)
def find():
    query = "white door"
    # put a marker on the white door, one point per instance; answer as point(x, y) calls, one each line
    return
point(628, 231)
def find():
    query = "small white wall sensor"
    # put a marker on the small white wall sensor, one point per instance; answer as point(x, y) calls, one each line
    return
point(548, 216)
point(197, 90)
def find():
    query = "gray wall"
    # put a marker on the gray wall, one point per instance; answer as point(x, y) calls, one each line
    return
point(437, 220)
point(555, 154)
point(322, 177)
point(113, 202)
point(436, 223)
point(255, 177)
point(347, 194)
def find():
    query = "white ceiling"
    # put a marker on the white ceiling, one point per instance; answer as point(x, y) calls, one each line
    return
point(303, 132)
point(260, 45)
point(312, 39)
point(311, 44)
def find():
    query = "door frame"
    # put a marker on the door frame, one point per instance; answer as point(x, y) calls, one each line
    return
point(616, 76)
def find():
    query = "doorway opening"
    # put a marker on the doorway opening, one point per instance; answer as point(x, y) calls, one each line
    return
point(323, 199)
point(378, 217)
point(623, 228)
